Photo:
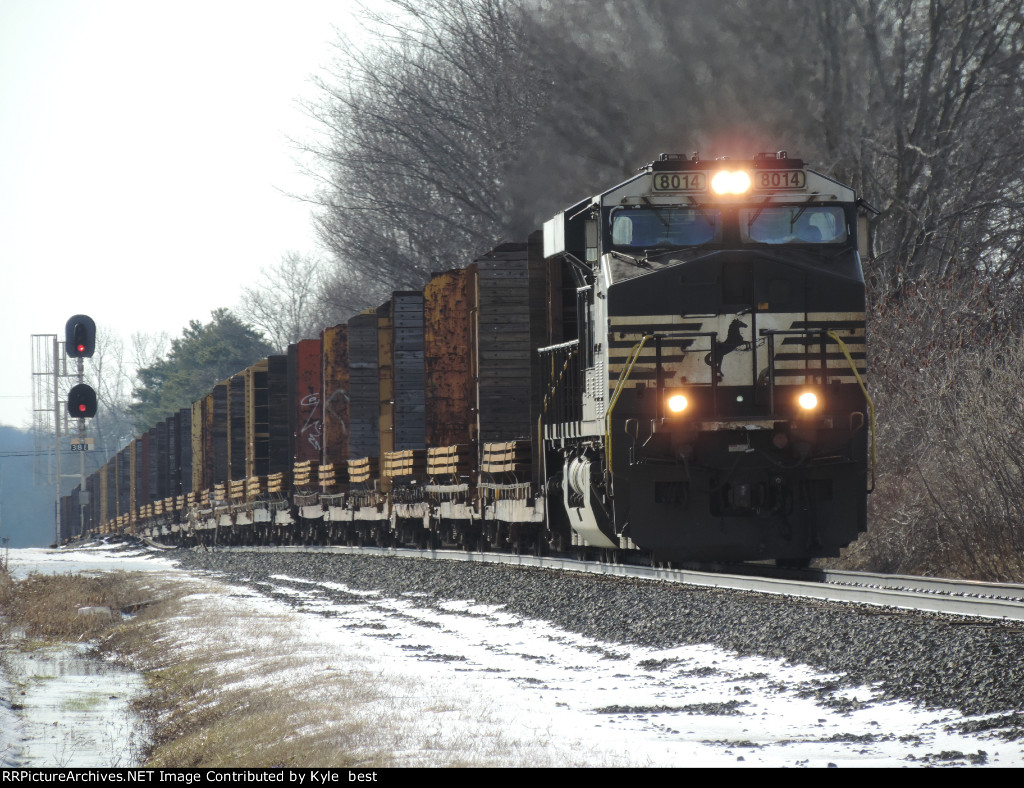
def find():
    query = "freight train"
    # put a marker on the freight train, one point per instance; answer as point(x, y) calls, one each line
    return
point(674, 366)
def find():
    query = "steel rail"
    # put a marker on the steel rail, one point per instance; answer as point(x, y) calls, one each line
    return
point(999, 601)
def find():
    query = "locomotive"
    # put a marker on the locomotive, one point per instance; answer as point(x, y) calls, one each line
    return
point(676, 366)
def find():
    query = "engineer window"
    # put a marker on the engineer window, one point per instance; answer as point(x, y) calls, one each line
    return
point(793, 224)
point(646, 228)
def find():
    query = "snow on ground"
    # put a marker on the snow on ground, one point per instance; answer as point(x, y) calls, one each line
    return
point(687, 706)
point(75, 710)
point(72, 708)
point(97, 558)
point(608, 704)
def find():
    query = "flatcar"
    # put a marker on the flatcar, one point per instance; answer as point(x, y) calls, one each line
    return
point(674, 366)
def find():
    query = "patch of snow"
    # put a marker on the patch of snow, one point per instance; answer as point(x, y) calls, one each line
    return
point(686, 706)
point(74, 709)
point(24, 562)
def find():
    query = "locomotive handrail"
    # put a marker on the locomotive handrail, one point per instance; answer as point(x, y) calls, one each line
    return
point(834, 337)
point(634, 354)
point(871, 405)
point(573, 349)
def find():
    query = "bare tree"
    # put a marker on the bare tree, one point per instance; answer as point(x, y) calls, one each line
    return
point(112, 373)
point(946, 151)
point(475, 119)
point(421, 132)
point(945, 373)
point(287, 303)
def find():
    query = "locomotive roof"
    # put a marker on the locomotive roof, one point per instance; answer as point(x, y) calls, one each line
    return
point(815, 184)
point(798, 184)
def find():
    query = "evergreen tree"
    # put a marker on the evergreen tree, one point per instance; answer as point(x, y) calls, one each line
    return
point(203, 356)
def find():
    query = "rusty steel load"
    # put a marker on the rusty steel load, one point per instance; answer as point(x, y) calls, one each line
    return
point(675, 366)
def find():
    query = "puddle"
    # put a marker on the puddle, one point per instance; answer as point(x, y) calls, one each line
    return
point(68, 708)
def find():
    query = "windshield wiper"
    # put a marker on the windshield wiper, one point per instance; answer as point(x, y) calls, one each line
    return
point(639, 262)
point(761, 207)
point(683, 251)
point(656, 211)
point(703, 213)
point(793, 221)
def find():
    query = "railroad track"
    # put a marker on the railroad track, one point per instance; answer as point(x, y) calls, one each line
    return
point(999, 601)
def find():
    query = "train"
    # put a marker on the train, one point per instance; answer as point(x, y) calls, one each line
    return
point(675, 367)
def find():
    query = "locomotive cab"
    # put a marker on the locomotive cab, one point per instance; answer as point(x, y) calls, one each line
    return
point(713, 405)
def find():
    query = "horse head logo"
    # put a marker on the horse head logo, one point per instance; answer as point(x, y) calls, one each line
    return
point(733, 340)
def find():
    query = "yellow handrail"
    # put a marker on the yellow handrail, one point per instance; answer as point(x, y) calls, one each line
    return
point(871, 406)
point(619, 385)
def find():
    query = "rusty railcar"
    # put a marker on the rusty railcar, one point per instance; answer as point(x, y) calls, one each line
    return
point(510, 325)
point(236, 427)
point(140, 481)
point(449, 388)
point(182, 458)
point(279, 457)
point(122, 461)
point(305, 411)
point(217, 440)
point(335, 394)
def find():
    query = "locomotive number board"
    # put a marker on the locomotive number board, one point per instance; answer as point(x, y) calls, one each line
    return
point(697, 181)
point(681, 181)
point(779, 179)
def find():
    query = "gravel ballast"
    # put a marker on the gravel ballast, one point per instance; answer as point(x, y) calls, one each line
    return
point(973, 665)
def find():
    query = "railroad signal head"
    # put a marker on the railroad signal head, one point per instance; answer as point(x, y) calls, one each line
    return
point(82, 401)
point(80, 337)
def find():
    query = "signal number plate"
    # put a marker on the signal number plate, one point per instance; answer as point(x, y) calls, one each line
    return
point(680, 181)
point(779, 179)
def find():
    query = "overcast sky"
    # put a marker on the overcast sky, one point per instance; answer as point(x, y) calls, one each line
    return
point(143, 147)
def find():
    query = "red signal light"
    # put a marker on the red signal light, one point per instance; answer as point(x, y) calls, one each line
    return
point(80, 336)
point(82, 401)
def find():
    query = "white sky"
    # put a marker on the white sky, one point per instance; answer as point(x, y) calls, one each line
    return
point(146, 142)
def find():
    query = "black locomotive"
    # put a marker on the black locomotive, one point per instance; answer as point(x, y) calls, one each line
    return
point(715, 407)
point(675, 366)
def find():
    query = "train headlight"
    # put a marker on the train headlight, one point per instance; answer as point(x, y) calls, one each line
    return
point(677, 404)
point(731, 182)
point(808, 400)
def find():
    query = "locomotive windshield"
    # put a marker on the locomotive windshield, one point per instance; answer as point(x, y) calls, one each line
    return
point(646, 237)
point(793, 224)
point(644, 228)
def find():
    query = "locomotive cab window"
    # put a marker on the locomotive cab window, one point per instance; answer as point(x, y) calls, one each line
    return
point(646, 228)
point(793, 224)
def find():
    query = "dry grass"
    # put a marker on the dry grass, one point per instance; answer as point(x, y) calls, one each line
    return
point(233, 686)
point(945, 369)
point(46, 607)
point(237, 690)
point(231, 683)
